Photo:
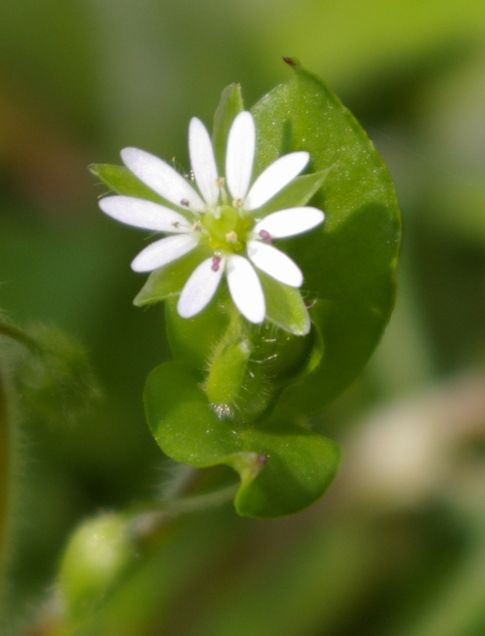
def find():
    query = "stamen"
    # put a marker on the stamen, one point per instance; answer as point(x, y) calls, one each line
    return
point(216, 263)
point(185, 203)
point(237, 203)
point(262, 459)
point(265, 236)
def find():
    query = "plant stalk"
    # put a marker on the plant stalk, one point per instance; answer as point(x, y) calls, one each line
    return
point(5, 485)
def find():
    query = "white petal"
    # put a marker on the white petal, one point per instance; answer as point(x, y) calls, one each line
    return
point(200, 288)
point(289, 222)
point(163, 252)
point(275, 263)
point(241, 145)
point(245, 288)
point(145, 214)
point(162, 178)
point(276, 176)
point(202, 161)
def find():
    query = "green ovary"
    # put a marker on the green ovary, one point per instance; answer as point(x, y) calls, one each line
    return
point(227, 229)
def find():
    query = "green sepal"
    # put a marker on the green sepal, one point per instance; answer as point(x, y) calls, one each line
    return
point(282, 469)
point(121, 181)
point(285, 307)
point(297, 193)
point(170, 279)
point(230, 104)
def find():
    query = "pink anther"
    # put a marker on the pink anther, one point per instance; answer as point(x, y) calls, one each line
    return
point(216, 263)
point(265, 235)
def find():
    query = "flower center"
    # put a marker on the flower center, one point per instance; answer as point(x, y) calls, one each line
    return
point(227, 228)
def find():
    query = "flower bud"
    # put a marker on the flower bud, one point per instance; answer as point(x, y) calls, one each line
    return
point(99, 552)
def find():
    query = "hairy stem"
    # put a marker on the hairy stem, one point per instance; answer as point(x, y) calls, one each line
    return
point(5, 486)
point(7, 445)
point(20, 336)
point(180, 482)
point(148, 523)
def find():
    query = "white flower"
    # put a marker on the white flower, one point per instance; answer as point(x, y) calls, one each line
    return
point(220, 214)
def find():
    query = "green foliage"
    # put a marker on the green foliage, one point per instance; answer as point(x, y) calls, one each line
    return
point(78, 76)
point(282, 468)
point(236, 394)
point(349, 263)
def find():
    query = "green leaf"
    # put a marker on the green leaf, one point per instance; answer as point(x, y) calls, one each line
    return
point(230, 104)
point(285, 307)
point(282, 469)
point(349, 262)
point(168, 280)
point(120, 180)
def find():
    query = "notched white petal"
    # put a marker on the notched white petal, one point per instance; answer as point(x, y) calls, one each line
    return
point(241, 146)
point(202, 161)
point(289, 222)
point(245, 288)
point(275, 177)
point(164, 251)
point(275, 263)
point(161, 178)
point(200, 288)
point(144, 214)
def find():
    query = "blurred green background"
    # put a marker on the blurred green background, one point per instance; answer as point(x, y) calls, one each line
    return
point(397, 546)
